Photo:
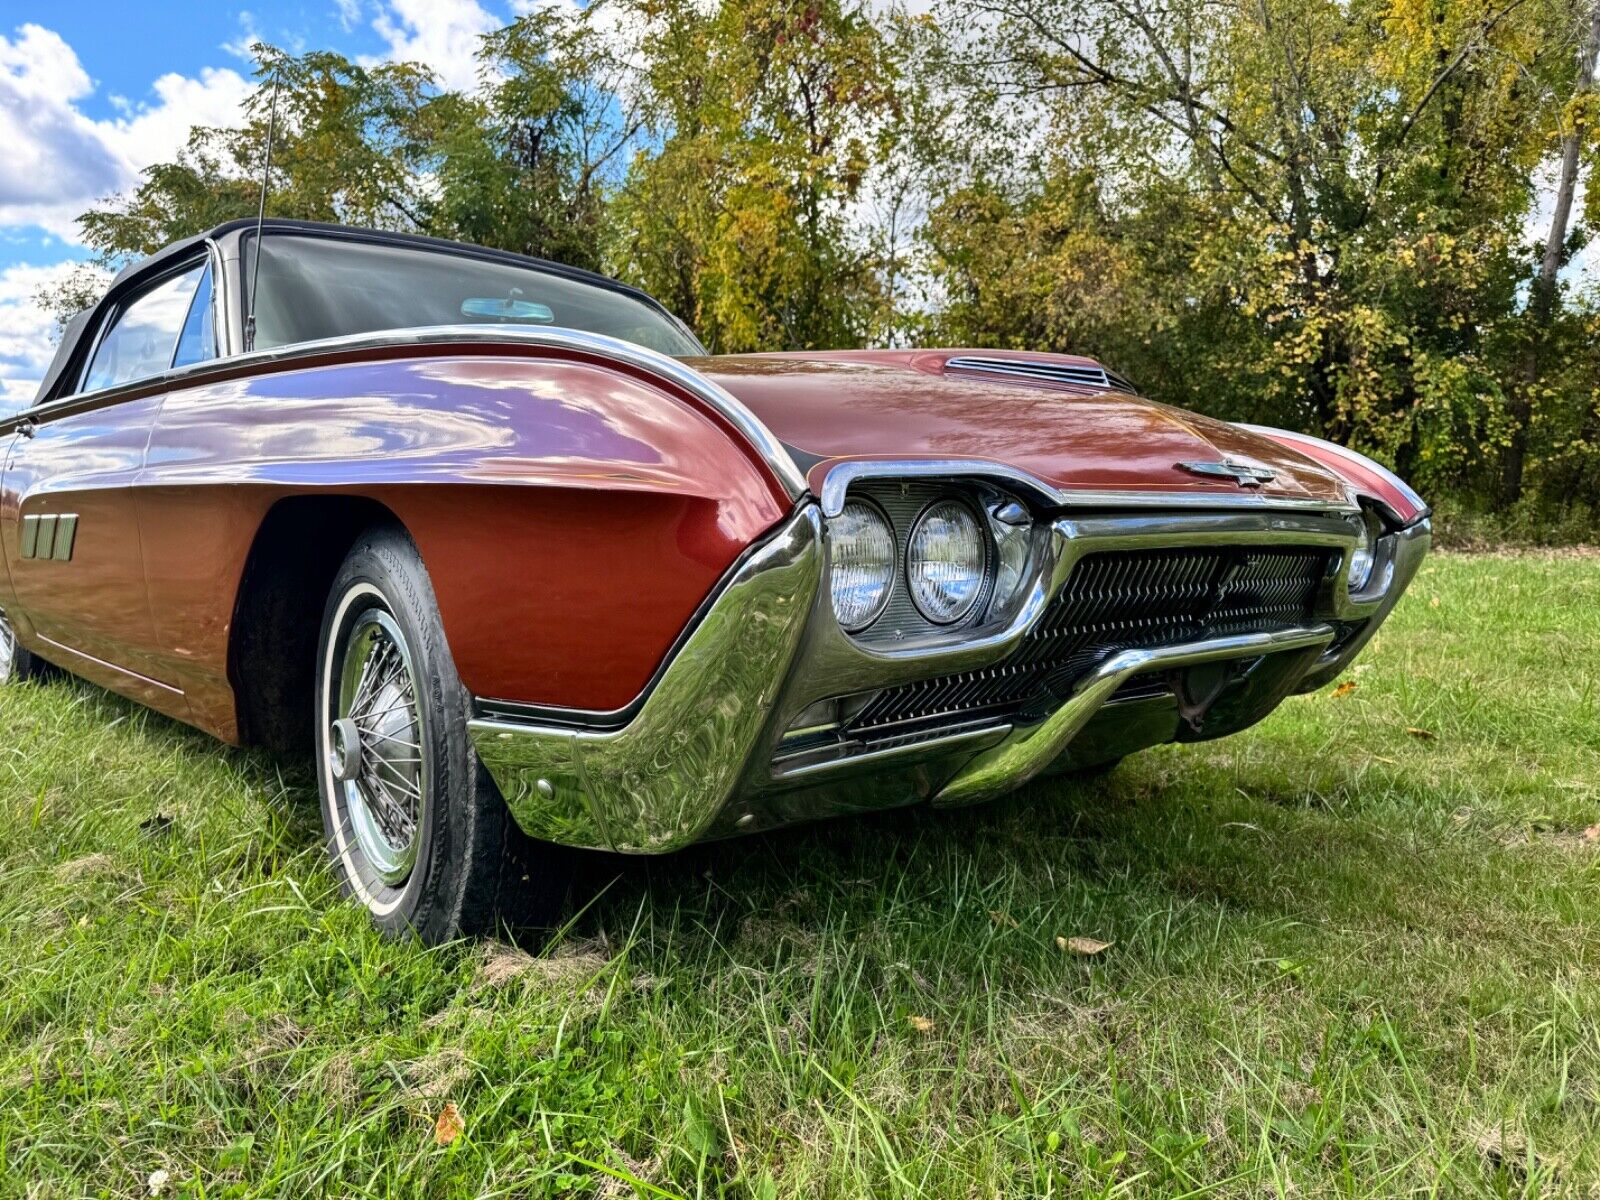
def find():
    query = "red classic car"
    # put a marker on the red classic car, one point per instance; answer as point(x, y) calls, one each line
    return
point(526, 568)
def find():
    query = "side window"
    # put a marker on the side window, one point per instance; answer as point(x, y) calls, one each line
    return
point(144, 333)
point(198, 341)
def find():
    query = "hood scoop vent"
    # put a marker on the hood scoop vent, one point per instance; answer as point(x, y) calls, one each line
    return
point(1073, 375)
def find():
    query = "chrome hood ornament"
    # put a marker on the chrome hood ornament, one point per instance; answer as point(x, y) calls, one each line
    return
point(1241, 473)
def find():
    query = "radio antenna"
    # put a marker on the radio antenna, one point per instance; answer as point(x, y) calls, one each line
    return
point(261, 215)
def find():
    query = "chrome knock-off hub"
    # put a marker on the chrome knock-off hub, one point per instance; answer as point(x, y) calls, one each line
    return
point(344, 749)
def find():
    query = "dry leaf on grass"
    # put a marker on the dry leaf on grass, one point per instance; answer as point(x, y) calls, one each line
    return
point(157, 1183)
point(449, 1126)
point(1344, 689)
point(920, 1024)
point(1422, 735)
point(1592, 834)
point(1082, 945)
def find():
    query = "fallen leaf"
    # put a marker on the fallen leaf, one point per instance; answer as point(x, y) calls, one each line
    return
point(920, 1024)
point(1083, 945)
point(1422, 735)
point(1000, 918)
point(157, 1183)
point(1344, 689)
point(1592, 834)
point(449, 1126)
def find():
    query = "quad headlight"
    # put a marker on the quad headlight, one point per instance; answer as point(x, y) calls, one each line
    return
point(1365, 556)
point(947, 561)
point(863, 564)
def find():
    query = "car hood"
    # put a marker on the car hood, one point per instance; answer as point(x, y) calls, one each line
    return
point(843, 405)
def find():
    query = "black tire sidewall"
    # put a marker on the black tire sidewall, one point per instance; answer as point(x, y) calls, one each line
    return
point(383, 568)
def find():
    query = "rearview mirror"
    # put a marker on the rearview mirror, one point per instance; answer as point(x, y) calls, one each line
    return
point(507, 310)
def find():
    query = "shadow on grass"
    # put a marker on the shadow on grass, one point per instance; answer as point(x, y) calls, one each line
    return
point(1102, 856)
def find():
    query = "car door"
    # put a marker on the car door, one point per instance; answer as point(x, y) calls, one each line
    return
point(69, 521)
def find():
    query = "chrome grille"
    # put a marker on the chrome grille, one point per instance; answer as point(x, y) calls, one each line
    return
point(1088, 375)
point(1114, 600)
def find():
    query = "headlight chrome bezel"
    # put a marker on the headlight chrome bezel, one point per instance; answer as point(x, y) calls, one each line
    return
point(861, 622)
point(983, 581)
point(1364, 557)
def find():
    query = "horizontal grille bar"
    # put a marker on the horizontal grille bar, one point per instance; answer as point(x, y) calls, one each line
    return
point(1115, 600)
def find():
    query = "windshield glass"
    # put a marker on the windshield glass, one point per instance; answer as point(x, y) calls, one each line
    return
point(320, 287)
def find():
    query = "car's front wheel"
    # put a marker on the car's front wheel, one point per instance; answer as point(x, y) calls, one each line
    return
point(415, 828)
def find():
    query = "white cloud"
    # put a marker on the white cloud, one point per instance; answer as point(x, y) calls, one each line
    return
point(57, 161)
point(27, 331)
point(248, 36)
point(441, 34)
point(348, 12)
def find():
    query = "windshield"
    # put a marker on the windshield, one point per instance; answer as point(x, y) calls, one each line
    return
point(321, 287)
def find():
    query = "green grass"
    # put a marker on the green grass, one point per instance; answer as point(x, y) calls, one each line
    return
point(1348, 959)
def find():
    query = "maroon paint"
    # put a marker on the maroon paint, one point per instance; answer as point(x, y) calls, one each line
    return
point(572, 513)
point(1363, 478)
point(571, 516)
point(899, 404)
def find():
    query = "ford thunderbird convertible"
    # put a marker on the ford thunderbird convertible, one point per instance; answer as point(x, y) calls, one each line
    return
point(521, 567)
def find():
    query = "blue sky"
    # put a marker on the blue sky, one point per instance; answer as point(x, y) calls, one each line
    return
point(92, 92)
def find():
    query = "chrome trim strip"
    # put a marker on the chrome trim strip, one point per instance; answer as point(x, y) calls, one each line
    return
point(718, 398)
point(842, 475)
point(1028, 751)
point(659, 782)
point(1044, 370)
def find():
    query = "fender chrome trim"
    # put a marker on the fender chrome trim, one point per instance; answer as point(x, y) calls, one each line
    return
point(652, 362)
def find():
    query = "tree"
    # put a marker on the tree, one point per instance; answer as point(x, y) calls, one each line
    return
point(764, 114)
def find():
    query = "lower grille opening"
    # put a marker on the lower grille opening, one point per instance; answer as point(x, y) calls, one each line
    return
point(1113, 600)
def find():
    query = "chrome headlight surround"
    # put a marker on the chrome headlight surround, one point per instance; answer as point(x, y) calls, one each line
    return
point(1371, 562)
point(863, 560)
point(949, 567)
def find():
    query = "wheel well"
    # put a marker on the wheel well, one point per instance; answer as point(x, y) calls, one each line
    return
point(278, 615)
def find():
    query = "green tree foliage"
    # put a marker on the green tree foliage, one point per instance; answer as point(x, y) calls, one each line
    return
point(764, 115)
point(1344, 216)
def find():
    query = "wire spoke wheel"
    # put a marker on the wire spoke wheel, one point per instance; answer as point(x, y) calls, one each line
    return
point(375, 745)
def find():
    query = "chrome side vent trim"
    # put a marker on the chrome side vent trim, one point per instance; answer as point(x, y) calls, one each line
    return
point(1045, 372)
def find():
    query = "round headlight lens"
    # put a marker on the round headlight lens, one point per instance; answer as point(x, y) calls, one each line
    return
point(945, 562)
point(1365, 555)
point(862, 564)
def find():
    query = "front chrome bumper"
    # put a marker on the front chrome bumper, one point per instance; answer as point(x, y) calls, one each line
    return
point(699, 756)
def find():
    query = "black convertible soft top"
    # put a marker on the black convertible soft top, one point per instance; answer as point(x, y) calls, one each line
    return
point(69, 353)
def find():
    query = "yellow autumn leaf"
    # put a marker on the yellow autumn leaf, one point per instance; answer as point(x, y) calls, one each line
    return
point(1344, 689)
point(1085, 946)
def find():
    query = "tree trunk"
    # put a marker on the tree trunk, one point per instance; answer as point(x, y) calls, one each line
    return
point(1542, 302)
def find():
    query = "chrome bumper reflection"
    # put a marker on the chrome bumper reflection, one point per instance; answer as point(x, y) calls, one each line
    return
point(657, 783)
point(1029, 750)
point(700, 757)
